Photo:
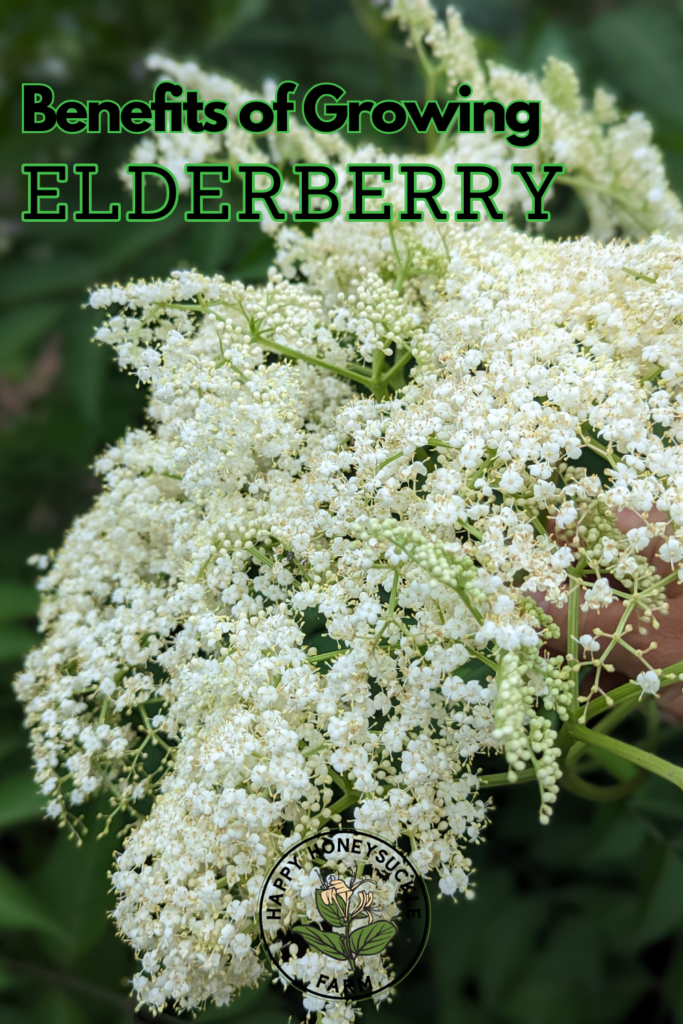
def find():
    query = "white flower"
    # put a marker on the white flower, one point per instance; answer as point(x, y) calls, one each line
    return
point(598, 596)
point(511, 482)
point(648, 681)
point(565, 517)
point(671, 550)
point(639, 537)
point(589, 643)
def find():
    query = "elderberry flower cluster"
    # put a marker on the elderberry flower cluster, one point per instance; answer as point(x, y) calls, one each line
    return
point(317, 582)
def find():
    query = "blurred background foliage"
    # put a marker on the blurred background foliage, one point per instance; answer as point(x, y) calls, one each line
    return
point(575, 923)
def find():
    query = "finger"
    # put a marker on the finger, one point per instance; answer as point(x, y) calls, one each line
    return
point(606, 619)
point(628, 520)
point(668, 637)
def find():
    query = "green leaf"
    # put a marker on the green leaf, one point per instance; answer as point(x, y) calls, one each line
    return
point(372, 938)
point(211, 245)
point(221, 1013)
point(85, 362)
point(10, 745)
point(16, 642)
point(128, 242)
point(19, 909)
point(241, 1005)
point(17, 601)
point(228, 19)
point(328, 943)
point(8, 978)
point(642, 45)
point(660, 799)
point(474, 669)
point(31, 279)
point(256, 261)
point(617, 766)
point(10, 1014)
point(74, 887)
point(58, 1007)
point(21, 328)
point(20, 800)
point(663, 912)
point(330, 913)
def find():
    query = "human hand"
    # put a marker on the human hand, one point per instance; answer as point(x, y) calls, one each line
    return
point(659, 646)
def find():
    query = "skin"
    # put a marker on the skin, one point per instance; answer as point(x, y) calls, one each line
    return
point(668, 638)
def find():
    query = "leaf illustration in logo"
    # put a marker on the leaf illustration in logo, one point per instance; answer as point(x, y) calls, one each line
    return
point(322, 942)
point(329, 911)
point(372, 938)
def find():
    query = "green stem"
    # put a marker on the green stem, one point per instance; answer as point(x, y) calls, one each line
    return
point(641, 758)
point(387, 377)
point(482, 658)
point(653, 374)
point(573, 620)
point(348, 800)
point(343, 783)
point(616, 638)
point(103, 710)
point(291, 353)
point(192, 307)
point(392, 458)
point(313, 750)
point(430, 72)
point(602, 452)
point(616, 716)
point(378, 361)
point(573, 633)
point(671, 675)
point(628, 690)
point(349, 797)
point(501, 779)
point(600, 794)
point(326, 655)
point(393, 600)
point(252, 550)
point(641, 277)
point(539, 526)
point(156, 738)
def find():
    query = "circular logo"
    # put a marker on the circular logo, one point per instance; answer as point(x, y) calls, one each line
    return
point(344, 915)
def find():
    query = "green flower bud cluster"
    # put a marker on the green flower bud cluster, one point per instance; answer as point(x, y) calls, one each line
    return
point(560, 683)
point(514, 704)
point(526, 735)
point(542, 739)
point(456, 571)
point(598, 532)
point(545, 623)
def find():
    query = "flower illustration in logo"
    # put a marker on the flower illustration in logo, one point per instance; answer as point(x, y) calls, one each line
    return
point(359, 905)
point(333, 888)
point(334, 900)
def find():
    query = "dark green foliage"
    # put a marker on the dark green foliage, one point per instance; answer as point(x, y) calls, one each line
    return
point(574, 923)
